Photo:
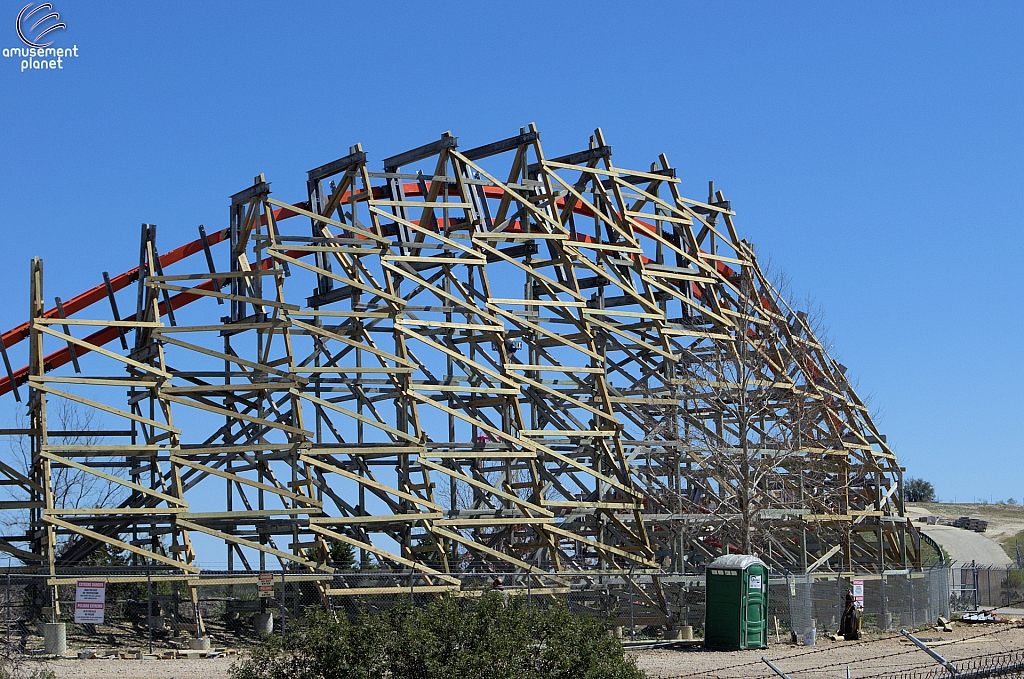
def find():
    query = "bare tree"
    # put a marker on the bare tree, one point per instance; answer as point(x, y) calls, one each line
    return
point(72, 488)
point(743, 422)
point(812, 310)
point(744, 426)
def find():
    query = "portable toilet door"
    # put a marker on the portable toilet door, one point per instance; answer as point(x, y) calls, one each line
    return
point(737, 603)
point(755, 622)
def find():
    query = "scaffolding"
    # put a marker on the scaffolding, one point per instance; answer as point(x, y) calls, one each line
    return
point(504, 364)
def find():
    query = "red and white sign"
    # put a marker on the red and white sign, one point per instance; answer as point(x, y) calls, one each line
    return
point(266, 586)
point(858, 593)
point(90, 601)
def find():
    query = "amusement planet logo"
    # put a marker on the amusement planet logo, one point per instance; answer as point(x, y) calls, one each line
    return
point(34, 25)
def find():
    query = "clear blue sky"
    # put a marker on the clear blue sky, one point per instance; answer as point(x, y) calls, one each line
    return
point(874, 151)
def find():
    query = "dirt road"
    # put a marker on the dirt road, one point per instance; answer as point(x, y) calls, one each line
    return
point(1005, 522)
point(964, 546)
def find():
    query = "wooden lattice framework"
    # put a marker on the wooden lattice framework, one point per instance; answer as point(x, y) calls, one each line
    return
point(502, 363)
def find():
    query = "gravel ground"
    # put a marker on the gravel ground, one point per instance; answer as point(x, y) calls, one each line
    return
point(829, 659)
point(200, 668)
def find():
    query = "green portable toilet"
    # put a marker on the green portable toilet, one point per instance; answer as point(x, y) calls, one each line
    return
point(737, 603)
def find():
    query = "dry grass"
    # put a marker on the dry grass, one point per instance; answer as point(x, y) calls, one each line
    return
point(1005, 522)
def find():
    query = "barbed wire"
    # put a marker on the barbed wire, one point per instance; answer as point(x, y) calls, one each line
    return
point(795, 655)
point(932, 664)
point(718, 672)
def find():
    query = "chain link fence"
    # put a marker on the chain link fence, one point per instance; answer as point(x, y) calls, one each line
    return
point(157, 612)
point(160, 612)
point(798, 603)
point(975, 586)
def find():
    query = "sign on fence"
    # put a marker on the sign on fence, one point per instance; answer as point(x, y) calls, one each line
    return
point(858, 593)
point(266, 585)
point(90, 601)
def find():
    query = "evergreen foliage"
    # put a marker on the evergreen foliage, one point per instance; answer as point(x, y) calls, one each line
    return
point(918, 490)
point(493, 637)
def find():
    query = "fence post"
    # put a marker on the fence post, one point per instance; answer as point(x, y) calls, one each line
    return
point(283, 607)
point(947, 582)
point(774, 668)
point(913, 608)
point(977, 586)
point(789, 599)
point(840, 595)
point(8, 601)
point(935, 656)
point(885, 605)
point(632, 618)
point(149, 608)
point(194, 598)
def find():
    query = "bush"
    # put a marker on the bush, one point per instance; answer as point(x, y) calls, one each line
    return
point(489, 638)
point(14, 666)
point(1014, 586)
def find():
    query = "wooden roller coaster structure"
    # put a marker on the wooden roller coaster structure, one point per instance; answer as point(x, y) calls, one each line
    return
point(506, 363)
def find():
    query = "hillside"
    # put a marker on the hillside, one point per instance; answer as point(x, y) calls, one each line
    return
point(1005, 522)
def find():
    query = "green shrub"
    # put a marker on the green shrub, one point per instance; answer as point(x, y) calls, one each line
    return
point(488, 638)
point(1014, 586)
point(918, 490)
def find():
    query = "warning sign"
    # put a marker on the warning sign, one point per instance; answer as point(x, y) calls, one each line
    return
point(858, 593)
point(266, 585)
point(90, 601)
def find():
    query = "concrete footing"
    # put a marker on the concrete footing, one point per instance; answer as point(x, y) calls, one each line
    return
point(199, 643)
point(681, 633)
point(55, 638)
point(264, 623)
